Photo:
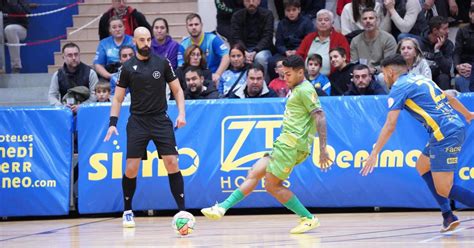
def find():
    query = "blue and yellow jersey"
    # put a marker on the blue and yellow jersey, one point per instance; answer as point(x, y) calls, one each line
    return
point(425, 101)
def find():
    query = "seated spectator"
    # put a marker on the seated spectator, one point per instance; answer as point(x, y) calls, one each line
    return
point(130, 17)
point(279, 84)
point(255, 85)
point(290, 32)
point(162, 44)
point(351, 22)
point(125, 53)
point(216, 52)
point(363, 83)
point(341, 78)
point(253, 27)
point(324, 39)
point(195, 85)
point(403, 17)
point(464, 54)
point(319, 81)
point(102, 91)
point(235, 76)
point(225, 10)
point(15, 29)
point(438, 51)
point(193, 56)
point(411, 52)
point(340, 6)
point(309, 8)
point(431, 8)
point(372, 45)
point(69, 82)
point(107, 59)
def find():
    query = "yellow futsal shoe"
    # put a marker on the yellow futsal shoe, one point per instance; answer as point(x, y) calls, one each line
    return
point(214, 213)
point(305, 225)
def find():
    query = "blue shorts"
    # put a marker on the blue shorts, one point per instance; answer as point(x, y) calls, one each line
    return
point(444, 154)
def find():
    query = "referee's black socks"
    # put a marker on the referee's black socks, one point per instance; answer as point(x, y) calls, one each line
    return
point(177, 188)
point(128, 186)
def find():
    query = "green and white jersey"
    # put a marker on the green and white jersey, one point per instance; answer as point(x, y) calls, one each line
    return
point(298, 125)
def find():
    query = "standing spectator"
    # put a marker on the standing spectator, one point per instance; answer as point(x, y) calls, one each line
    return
point(324, 39)
point(403, 17)
point(372, 45)
point(15, 29)
point(102, 91)
point(73, 78)
point(125, 53)
point(255, 85)
point(411, 52)
point(464, 54)
point(162, 43)
point(279, 84)
point(216, 52)
point(225, 10)
point(363, 83)
point(253, 27)
point(130, 17)
point(235, 76)
point(195, 85)
point(107, 59)
point(193, 56)
point(319, 81)
point(341, 78)
point(290, 32)
point(438, 51)
point(351, 20)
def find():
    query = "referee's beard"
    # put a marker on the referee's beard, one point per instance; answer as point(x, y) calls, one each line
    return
point(144, 51)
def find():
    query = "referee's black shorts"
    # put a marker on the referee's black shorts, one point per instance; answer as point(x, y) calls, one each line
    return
point(143, 128)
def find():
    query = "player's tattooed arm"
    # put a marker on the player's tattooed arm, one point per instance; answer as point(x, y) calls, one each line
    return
point(320, 121)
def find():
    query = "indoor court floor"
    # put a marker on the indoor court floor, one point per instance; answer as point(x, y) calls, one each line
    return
point(400, 229)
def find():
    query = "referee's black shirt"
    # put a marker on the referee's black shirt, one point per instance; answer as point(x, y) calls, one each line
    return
point(147, 81)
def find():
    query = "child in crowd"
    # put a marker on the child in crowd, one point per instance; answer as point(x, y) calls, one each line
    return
point(320, 82)
point(102, 91)
point(279, 84)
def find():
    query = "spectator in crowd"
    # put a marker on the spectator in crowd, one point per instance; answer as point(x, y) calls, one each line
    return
point(319, 81)
point(195, 85)
point(279, 84)
point(255, 85)
point(131, 18)
point(107, 59)
point(309, 8)
point(411, 52)
point(363, 83)
point(290, 32)
point(351, 17)
point(74, 83)
point(340, 6)
point(162, 43)
point(341, 77)
point(235, 76)
point(193, 56)
point(444, 8)
point(15, 29)
point(126, 52)
point(225, 10)
point(438, 51)
point(102, 91)
point(324, 39)
point(253, 27)
point(372, 45)
point(403, 17)
point(464, 54)
point(215, 50)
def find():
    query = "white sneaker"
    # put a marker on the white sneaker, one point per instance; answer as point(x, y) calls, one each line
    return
point(214, 213)
point(127, 219)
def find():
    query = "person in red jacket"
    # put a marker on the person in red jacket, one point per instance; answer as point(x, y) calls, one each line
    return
point(323, 40)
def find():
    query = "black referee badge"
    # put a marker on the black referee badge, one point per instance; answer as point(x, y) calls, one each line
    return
point(156, 74)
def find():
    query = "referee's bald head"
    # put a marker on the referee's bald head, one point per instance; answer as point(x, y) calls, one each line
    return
point(141, 31)
point(142, 40)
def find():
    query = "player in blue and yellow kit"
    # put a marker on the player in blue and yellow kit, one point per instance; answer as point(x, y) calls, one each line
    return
point(434, 109)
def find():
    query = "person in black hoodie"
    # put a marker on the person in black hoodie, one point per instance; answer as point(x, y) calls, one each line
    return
point(225, 10)
point(290, 32)
point(131, 17)
point(362, 83)
point(341, 78)
point(464, 54)
point(255, 86)
point(195, 85)
point(438, 51)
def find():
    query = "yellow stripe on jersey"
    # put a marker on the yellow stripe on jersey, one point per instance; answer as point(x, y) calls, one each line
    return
point(432, 123)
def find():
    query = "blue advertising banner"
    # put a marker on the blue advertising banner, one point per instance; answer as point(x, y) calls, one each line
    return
point(223, 138)
point(35, 165)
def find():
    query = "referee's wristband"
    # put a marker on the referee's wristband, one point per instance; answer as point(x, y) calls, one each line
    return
point(113, 121)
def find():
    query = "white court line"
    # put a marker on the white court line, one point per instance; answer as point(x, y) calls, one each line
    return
point(440, 236)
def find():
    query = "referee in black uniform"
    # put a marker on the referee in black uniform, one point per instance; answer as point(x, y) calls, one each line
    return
point(146, 75)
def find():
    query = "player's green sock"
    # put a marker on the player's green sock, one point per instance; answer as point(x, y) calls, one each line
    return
point(233, 199)
point(295, 205)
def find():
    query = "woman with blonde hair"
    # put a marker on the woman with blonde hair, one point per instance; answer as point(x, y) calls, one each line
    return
point(411, 52)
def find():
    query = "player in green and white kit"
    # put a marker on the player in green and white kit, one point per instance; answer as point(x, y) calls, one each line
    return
point(303, 116)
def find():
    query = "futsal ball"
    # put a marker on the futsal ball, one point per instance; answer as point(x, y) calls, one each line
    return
point(183, 223)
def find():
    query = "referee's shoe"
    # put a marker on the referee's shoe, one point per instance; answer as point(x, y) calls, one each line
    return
point(127, 218)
